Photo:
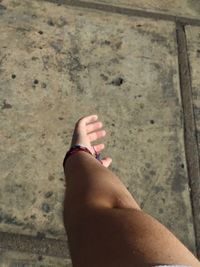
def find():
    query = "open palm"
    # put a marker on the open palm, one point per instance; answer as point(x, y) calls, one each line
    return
point(87, 130)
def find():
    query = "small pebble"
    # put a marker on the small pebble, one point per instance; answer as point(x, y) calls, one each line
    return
point(13, 76)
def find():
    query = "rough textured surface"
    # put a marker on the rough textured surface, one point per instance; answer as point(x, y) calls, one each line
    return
point(16, 259)
point(183, 8)
point(193, 44)
point(58, 63)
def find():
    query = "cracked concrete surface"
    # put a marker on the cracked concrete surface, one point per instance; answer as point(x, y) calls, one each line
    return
point(183, 8)
point(58, 63)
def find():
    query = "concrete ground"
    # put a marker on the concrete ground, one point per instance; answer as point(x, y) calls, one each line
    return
point(134, 63)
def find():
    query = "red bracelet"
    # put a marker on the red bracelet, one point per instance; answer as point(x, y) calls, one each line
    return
point(77, 148)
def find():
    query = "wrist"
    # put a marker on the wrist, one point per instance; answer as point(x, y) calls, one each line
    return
point(74, 150)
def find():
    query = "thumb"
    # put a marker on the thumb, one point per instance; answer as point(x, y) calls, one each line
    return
point(106, 161)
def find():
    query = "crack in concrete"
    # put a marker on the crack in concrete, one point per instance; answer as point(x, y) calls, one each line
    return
point(127, 11)
point(191, 145)
point(34, 245)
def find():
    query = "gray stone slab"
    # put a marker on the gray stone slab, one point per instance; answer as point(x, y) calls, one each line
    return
point(183, 8)
point(60, 63)
point(193, 46)
point(193, 43)
point(17, 259)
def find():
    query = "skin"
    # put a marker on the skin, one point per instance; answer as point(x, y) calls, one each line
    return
point(104, 224)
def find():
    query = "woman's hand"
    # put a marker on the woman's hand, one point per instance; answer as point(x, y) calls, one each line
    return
point(87, 130)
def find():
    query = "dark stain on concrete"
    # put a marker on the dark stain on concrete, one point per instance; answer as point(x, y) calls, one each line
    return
point(155, 37)
point(57, 45)
point(152, 172)
point(62, 65)
point(114, 44)
point(158, 189)
point(46, 207)
point(75, 64)
point(156, 65)
point(61, 22)
point(51, 177)
point(168, 81)
point(45, 60)
point(106, 42)
point(117, 45)
point(50, 22)
point(40, 236)
point(8, 219)
point(35, 81)
point(160, 210)
point(163, 200)
point(34, 58)
point(198, 53)
point(114, 61)
point(179, 181)
point(136, 96)
point(117, 81)
point(198, 137)
point(195, 93)
point(6, 105)
point(48, 194)
point(196, 112)
point(141, 105)
point(104, 77)
point(33, 217)
point(40, 258)
point(2, 8)
point(165, 77)
point(147, 165)
point(43, 85)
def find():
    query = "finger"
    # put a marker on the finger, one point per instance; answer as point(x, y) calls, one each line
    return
point(96, 135)
point(98, 148)
point(85, 120)
point(93, 126)
point(106, 161)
